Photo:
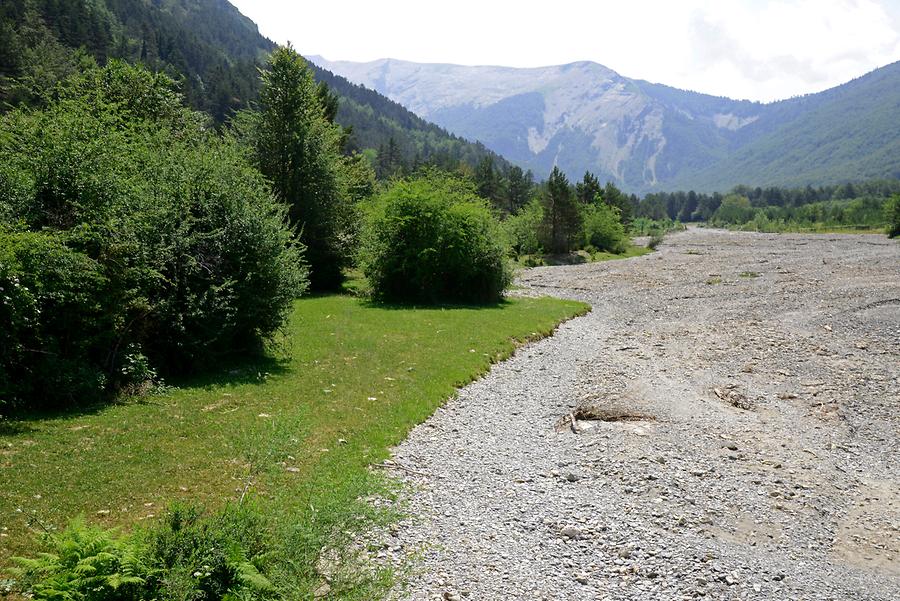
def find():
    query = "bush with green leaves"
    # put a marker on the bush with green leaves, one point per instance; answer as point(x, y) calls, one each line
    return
point(148, 241)
point(733, 210)
point(206, 558)
point(892, 216)
point(56, 324)
point(602, 228)
point(431, 239)
point(522, 229)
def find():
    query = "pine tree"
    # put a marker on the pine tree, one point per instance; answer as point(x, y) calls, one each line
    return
point(562, 215)
point(615, 198)
point(519, 187)
point(487, 183)
point(298, 150)
point(588, 190)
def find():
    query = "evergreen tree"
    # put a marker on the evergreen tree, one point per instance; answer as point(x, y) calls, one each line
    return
point(690, 206)
point(487, 182)
point(298, 150)
point(588, 190)
point(390, 162)
point(562, 216)
point(615, 198)
point(519, 186)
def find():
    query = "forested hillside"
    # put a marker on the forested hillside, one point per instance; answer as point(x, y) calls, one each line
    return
point(847, 133)
point(213, 52)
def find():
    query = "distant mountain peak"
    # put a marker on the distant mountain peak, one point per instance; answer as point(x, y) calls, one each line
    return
point(645, 136)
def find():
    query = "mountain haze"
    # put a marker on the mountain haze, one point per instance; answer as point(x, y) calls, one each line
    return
point(645, 136)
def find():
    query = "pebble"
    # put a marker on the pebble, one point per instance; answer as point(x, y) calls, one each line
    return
point(654, 510)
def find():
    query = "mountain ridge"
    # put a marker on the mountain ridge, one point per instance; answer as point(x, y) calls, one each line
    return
point(642, 135)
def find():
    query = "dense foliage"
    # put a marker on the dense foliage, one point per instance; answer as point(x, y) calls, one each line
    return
point(213, 52)
point(134, 239)
point(694, 206)
point(892, 216)
point(431, 239)
point(522, 229)
point(560, 218)
point(299, 151)
point(603, 229)
point(186, 557)
point(847, 206)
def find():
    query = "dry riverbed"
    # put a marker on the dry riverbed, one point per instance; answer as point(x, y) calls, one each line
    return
point(751, 384)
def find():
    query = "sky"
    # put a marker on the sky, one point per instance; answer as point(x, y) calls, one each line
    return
point(749, 49)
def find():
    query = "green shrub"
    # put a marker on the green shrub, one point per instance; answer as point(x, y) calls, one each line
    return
point(655, 241)
point(602, 228)
point(55, 317)
point(522, 229)
point(431, 239)
point(734, 209)
point(149, 243)
point(207, 558)
point(892, 216)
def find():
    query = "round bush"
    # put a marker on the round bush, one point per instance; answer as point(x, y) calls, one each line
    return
point(146, 244)
point(431, 239)
point(603, 229)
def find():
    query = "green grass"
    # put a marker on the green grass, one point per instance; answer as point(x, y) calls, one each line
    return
point(631, 251)
point(773, 227)
point(579, 257)
point(297, 430)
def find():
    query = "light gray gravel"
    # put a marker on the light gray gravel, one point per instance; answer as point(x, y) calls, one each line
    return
point(797, 497)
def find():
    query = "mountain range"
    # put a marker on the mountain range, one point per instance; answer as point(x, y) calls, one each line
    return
point(645, 136)
point(581, 116)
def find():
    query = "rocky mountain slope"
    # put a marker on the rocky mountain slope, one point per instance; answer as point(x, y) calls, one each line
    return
point(645, 136)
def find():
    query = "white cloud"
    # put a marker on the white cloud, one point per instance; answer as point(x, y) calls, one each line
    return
point(759, 49)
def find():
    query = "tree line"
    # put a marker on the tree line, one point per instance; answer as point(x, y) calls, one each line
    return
point(694, 206)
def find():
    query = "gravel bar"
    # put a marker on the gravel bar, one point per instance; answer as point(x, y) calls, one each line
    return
point(746, 397)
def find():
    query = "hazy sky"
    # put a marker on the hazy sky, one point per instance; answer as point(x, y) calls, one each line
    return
point(756, 49)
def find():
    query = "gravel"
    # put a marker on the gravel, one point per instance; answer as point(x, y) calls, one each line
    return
point(762, 376)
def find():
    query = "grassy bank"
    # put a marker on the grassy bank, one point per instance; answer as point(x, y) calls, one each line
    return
point(296, 431)
point(814, 228)
point(580, 256)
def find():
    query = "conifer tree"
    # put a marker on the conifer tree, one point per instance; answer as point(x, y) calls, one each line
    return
point(519, 187)
point(298, 150)
point(487, 182)
point(562, 217)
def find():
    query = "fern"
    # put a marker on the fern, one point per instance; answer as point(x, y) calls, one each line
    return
point(84, 564)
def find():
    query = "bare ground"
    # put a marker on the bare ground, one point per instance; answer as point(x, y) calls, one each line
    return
point(760, 379)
